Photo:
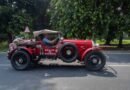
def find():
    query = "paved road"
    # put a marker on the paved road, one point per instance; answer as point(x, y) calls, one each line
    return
point(116, 75)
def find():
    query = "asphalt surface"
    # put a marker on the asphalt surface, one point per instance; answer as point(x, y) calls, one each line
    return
point(115, 76)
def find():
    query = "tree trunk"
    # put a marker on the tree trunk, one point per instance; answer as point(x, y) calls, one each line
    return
point(10, 37)
point(108, 40)
point(120, 45)
point(110, 35)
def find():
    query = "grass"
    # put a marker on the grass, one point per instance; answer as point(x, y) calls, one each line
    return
point(113, 45)
point(3, 46)
point(114, 42)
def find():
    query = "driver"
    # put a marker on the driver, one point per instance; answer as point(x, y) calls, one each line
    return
point(49, 42)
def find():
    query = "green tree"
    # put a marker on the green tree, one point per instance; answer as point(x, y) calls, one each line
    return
point(94, 19)
point(18, 22)
point(5, 17)
point(16, 14)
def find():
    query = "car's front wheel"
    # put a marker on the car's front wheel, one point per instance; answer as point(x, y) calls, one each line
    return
point(95, 61)
point(20, 60)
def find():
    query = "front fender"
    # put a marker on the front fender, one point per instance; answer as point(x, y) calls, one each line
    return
point(89, 50)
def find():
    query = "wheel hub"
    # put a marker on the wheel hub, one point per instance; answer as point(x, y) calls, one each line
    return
point(20, 60)
point(68, 52)
point(94, 60)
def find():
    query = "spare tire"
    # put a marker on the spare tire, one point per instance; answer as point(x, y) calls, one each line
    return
point(68, 52)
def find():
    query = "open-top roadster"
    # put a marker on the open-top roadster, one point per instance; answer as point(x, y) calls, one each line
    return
point(24, 52)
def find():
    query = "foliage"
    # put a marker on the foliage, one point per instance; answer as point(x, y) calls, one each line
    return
point(5, 15)
point(3, 46)
point(15, 15)
point(12, 20)
point(90, 18)
point(25, 35)
point(95, 19)
point(18, 22)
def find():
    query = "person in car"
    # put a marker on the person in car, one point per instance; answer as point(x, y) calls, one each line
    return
point(49, 42)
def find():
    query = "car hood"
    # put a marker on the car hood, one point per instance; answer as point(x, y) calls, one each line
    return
point(80, 42)
point(76, 40)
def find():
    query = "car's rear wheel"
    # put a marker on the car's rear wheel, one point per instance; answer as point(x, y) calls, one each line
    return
point(95, 61)
point(68, 52)
point(20, 60)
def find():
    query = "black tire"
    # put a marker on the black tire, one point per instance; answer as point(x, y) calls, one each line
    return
point(23, 64)
point(95, 61)
point(68, 52)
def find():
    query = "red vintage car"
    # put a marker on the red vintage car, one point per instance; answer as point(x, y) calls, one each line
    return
point(26, 52)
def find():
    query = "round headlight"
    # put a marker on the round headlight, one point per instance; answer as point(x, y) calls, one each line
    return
point(95, 44)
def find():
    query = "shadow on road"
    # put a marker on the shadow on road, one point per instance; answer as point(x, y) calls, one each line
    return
point(55, 70)
point(46, 77)
point(107, 72)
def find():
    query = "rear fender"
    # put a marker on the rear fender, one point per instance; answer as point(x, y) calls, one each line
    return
point(89, 50)
point(29, 51)
point(10, 53)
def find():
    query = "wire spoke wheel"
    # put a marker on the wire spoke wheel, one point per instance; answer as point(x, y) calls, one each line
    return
point(95, 61)
point(20, 60)
point(68, 52)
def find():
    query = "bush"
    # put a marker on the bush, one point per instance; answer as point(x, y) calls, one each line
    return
point(3, 46)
